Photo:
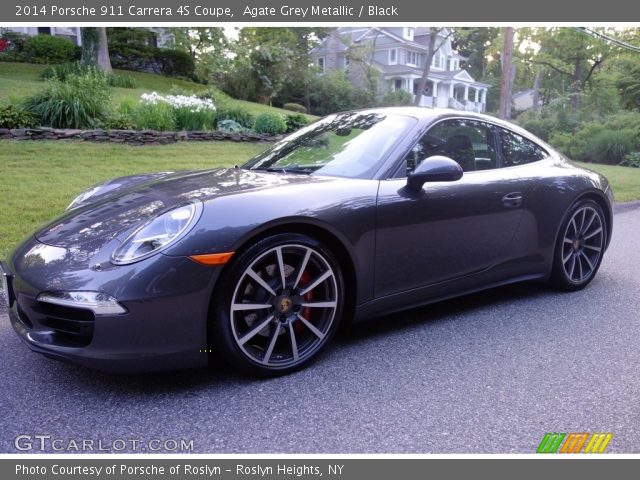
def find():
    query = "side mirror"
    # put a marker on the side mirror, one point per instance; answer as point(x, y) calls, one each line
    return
point(437, 168)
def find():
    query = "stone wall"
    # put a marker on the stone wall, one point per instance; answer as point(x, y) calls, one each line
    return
point(132, 137)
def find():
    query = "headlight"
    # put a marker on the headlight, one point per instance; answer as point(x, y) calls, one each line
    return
point(82, 197)
point(157, 234)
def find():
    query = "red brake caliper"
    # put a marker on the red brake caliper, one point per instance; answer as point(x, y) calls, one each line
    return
point(308, 297)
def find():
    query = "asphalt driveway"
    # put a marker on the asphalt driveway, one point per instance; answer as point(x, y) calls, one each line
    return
point(489, 373)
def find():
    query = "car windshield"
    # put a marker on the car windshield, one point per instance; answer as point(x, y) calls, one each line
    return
point(349, 145)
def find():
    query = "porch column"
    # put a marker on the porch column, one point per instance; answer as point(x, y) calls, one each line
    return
point(451, 90)
point(483, 97)
point(466, 93)
point(477, 94)
point(410, 85)
point(434, 92)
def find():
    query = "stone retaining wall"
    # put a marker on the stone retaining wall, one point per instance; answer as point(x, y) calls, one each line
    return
point(133, 137)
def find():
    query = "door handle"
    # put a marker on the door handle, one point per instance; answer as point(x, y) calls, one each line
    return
point(512, 200)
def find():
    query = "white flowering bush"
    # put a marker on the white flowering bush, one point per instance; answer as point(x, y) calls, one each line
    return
point(189, 112)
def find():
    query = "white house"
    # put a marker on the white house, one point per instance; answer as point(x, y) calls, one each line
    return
point(399, 53)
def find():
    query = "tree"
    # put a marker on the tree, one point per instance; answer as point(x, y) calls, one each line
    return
point(208, 46)
point(506, 81)
point(572, 57)
point(433, 36)
point(95, 49)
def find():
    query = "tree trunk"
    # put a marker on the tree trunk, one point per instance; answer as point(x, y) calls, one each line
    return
point(433, 34)
point(575, 87)
point(505, 81)
point(95, 50)
point(536, 90)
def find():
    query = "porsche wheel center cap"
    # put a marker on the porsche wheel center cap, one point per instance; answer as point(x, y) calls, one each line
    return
point(284, 304)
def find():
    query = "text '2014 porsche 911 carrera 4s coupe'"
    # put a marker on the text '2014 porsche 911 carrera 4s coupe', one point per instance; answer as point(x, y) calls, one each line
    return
point(359, 214)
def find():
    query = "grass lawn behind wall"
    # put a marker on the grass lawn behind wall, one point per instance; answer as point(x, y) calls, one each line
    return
point(40, 178)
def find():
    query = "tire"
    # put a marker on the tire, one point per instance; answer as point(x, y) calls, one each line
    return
point(278, 305)
point(580, 246)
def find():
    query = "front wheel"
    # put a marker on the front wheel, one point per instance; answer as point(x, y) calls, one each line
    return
point(278, 305)
point(579, 247)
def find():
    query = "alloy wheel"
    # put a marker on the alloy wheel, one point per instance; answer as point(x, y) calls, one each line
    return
point(284, 305)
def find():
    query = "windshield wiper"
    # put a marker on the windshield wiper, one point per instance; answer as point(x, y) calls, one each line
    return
point(289, 169)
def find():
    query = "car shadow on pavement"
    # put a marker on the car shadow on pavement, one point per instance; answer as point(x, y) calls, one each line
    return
point(193, 381)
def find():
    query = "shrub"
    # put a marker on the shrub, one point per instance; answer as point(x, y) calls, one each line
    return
point(562, 142)
point(237, 114)
point(12, 46)
point(230, 126)
point(63, 71)
point(610, 146)
point(396, 98)
point(154, 116)
point(119, 121)
point(175, 63)
point(631, 160)
point(49, 49)
point(270, 124)
point(294, 107)
point(132, 57)
point(80, 102)
point(14, 116)
point(295, 122)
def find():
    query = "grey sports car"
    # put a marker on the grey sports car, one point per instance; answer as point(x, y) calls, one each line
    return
point(357, 215)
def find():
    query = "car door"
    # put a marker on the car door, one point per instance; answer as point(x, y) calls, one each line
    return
point(447, 230)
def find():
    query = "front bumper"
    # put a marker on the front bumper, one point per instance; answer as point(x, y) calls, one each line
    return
point(164, 327)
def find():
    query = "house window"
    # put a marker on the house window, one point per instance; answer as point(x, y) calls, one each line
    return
point(412, 58)
point(320, 63)
point(398, 83)
point(393, 56)
point(408, 33)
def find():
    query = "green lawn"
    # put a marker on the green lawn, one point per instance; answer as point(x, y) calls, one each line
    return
point(18, 80)
point(39, 179)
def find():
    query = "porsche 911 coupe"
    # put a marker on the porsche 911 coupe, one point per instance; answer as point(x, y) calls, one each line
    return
point(358, 215)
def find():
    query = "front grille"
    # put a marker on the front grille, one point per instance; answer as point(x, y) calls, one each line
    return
point(70, 327)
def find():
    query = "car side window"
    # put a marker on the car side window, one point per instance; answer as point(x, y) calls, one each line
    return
point(517, 150)
point(469, 142)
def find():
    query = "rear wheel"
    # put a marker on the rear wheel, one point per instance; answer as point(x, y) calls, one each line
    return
point(579, 247)
point(278, 305)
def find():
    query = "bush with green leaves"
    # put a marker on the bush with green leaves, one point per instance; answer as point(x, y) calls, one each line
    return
point(295, 122)
point(230, 126)
point(79, 102)
point(12, 46)
point(396, 98)
point(175, 63)
point(154, 116)
point(15, 116)
point(295, 107)
point(119, 121)
point(49, 49)
point(631, 160)
point(62, 71)
point(237, 114)
point(270, 124)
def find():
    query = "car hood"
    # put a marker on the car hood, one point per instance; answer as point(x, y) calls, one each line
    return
point(114, 216)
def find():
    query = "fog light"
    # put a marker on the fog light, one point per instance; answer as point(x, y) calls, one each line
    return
point(99, 303)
